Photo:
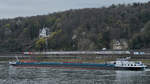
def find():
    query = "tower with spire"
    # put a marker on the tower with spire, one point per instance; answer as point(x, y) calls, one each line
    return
point(44, 33)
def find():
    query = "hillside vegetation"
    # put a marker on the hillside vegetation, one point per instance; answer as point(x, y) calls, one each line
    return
point(82, 29)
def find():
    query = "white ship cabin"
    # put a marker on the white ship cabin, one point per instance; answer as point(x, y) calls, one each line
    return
point(128, 64)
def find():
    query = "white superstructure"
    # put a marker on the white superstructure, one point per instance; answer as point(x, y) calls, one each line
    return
point(129, 64)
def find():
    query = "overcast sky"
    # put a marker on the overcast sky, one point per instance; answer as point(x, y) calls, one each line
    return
point(15, 8)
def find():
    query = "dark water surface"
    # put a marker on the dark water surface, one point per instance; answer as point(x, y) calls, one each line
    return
point(14, 75)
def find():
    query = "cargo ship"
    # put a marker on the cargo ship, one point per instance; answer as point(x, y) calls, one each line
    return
point(113, 65)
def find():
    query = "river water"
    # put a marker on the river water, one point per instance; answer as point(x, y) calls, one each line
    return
point(14, 75)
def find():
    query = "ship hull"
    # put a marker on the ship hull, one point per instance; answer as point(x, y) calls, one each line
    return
point(130, 68)
point(76, 65)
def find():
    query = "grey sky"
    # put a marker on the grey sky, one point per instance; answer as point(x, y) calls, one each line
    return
point(15, 8)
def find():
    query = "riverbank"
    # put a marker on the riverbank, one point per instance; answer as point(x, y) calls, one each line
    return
point(78, 57)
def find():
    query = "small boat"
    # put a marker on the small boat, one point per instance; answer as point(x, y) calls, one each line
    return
point(124, 64)
point(114, 65)
point(129, 65)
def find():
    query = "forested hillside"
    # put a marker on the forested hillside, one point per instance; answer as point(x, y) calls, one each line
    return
point(82, 29)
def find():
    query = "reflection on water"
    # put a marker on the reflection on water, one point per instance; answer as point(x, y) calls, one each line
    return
point(13, 75)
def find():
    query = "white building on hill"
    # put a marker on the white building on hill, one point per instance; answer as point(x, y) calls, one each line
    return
point(44, 32)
